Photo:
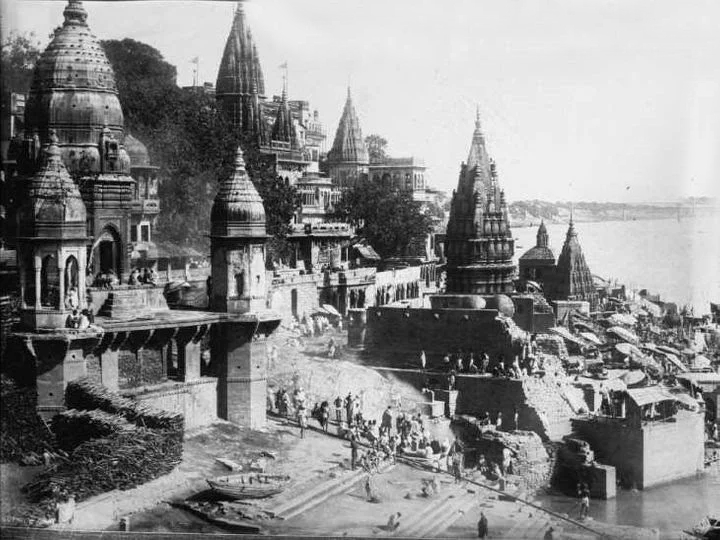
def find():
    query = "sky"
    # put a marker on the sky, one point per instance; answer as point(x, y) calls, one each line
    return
point(604, 100)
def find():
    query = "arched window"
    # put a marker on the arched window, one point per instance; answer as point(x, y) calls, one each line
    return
point(49, 282)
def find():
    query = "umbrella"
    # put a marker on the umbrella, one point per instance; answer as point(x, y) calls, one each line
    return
point(666, 349)
point(624, 334)
point(700, 362)
point(583, 325)
point(174, 286)
point(632, 377)
point(592, 338)
point(628, 350)
point(675, 361)
point(331, 310)
point(649, 347)
point(620, 318)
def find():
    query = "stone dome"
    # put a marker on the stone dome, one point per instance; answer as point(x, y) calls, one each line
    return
point(539, 253)
point(238, 209)
point(138, 152)
point(73, 92)
point(53, 206)
point(502, 303)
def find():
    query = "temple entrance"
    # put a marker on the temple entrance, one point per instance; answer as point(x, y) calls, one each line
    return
point(106, 255)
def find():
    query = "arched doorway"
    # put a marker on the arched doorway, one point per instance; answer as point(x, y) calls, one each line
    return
point(106, 252)
point(49, 282)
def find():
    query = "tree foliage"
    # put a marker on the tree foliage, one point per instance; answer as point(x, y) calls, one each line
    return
point(19, 55)
point(192, 143)
point(388, 218)
point(377, 148)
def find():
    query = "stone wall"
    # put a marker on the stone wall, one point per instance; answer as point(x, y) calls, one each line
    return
point(293, 295)
point(404, 332)
point(673, 450)
point(655, 453)
point(145, 366)
point(196, 400)
point(542, 407)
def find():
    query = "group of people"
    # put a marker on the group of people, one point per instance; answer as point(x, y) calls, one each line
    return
point(146, 276)
point(80, 320)
point(106, 280)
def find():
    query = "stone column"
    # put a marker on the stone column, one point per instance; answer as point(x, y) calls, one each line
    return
point(242, 384)
point(109, 369)
point(188, 354)
point(38, 283)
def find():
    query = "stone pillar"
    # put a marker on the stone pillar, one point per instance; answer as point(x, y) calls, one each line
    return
point(56, 365)
point(188, 357)
point(38, 282)
point(109, 375)
point(242, 385)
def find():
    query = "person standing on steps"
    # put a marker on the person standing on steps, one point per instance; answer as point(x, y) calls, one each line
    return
point(483, 526)
point(354, 446)
point(423, 360)
point(338, 409)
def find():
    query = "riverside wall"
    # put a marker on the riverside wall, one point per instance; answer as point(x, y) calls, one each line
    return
point(655, 453)
point(402, 332)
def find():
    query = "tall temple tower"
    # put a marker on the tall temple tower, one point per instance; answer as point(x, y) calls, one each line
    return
point(74, 95)
point(573, 280)
point(240, 84)
point(238, 288)
point(237, 236)
point(480, 246)
point(348, 160)
point(51, 242)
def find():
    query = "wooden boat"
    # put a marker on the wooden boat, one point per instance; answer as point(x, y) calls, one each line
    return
point(228, 523)
point(248, 486)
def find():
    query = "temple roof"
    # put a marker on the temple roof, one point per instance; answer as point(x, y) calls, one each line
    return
point(541, 251)
point(73, 92)
point(283, 128)
point(53, 206)
point(349, 145)
point(574, 277)
point(238, 209)
point(240, 71)
point(137, 151)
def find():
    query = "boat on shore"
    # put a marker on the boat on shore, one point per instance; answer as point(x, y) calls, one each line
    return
point(230, 523)
point(248, 486)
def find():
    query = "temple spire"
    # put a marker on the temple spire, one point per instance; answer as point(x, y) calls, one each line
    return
point(349, 145)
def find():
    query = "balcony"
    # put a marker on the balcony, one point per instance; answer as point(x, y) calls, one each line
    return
point(145, 206)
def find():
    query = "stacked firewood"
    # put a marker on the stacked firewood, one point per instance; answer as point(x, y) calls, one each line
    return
point(23, 435)
point(75, 427)
point(115, 443)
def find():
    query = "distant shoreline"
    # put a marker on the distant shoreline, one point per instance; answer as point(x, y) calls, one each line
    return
point(632, 214)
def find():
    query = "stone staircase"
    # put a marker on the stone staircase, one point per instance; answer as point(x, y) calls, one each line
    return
point(298, 501)
point(551, 405)
point(439, 514)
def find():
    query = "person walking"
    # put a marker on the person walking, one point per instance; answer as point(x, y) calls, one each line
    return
point(423, 360)
point(324, 415)
point(338, 409)
point(584, 503)
point(302, 421)
point(483, 526)
point(498, 421)
point(368, 489)
point(354, 446)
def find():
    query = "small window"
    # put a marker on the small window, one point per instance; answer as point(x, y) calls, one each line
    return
point(145, 233)
point(133, 233)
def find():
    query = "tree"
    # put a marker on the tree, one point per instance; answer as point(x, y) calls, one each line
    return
point(377, 148)
point(389, 219)
point(19, 55)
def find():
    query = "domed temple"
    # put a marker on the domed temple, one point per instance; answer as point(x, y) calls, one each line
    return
point(73, 94)
point(77, 214)
point(538, 263)
point(479, 244)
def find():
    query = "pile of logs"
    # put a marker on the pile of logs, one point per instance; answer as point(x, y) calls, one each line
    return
point(75, 427)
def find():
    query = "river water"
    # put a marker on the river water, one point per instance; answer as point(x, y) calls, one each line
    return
point(678, 259)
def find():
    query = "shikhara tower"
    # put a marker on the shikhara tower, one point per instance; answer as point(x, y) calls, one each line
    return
point(573, 280)
point(240, 83)
point(348, 159)
point(480, 246)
